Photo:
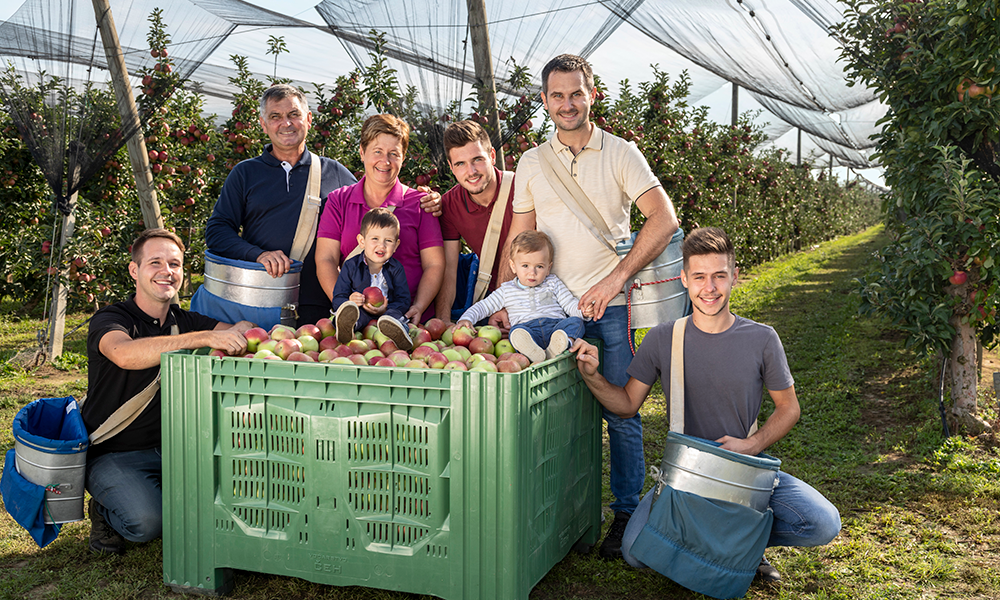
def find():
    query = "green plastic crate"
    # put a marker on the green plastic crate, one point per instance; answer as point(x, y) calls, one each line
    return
point(456, 484)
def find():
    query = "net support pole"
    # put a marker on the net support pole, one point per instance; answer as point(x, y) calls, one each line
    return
point(60, 293)
point(483, 60)
point(798, 147)
point(148, 203)
point(736, 104)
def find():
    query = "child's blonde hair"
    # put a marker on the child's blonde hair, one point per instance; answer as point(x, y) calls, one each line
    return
point(532, 241)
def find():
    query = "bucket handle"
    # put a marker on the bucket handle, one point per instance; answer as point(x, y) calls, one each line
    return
point(636, 285)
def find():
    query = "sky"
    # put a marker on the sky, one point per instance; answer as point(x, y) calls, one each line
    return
point(616, 56)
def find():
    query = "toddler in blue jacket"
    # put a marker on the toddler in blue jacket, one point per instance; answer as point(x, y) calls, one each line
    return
point(375, 267)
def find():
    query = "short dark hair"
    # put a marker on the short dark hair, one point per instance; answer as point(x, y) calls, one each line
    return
point(568, 63)
point(460, 133)
point(376, 125)
point(281, 91)
point(532, 241)
point(381, 218)
point(708, 240)
point(150, 234)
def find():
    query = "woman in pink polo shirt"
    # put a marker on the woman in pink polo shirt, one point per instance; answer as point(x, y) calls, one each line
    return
point(384, 140)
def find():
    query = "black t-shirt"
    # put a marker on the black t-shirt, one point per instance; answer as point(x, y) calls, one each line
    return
point(109, 386)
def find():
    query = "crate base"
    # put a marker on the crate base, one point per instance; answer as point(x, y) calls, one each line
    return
point(219, 584)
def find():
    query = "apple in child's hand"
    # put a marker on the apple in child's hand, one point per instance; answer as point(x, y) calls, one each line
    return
point(373, 296)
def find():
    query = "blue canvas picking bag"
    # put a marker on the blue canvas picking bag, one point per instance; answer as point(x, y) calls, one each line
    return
point(710, 546)
point(52, 432)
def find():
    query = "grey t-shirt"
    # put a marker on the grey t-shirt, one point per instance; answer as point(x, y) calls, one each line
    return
point(724, 374)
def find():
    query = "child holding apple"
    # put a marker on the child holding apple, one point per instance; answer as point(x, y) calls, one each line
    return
point(372, 284)
point(543, 312)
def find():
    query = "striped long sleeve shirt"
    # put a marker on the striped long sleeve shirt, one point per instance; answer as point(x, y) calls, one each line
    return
point(551, 299)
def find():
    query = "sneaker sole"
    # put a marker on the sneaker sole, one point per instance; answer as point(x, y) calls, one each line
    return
point(344, 321)
point(558, 343)
point(392, 329)
point(524, 344)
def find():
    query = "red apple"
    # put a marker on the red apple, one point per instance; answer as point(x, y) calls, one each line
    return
point(521, 359)
point(288, 346)
point(481, 345)
point(309, 343)
point(435, 327)
point(328, 343)
point(385, 362)
point(422, 352)
point(358, 346)
point(327, 355)
point(299, 357)
point(254, 336)
point(463, 336)
point(958, 278)
point(342, 360)
point(358, 360)
point(313, 355)
point(400, 357)
point(310, 330)
point(416, 364)
point(282, 332)
point(373, 296)
point(218, 353)
point(373, 354)
point(437, 360)
point(508, 366)
point(388, 347)
point(456, 365)
point(326, 327)
point(422, 336)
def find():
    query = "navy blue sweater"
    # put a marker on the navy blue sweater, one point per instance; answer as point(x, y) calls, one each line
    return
point(258, 211)
point(355, 277)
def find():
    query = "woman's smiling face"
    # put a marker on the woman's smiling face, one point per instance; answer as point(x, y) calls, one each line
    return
point(383, 158)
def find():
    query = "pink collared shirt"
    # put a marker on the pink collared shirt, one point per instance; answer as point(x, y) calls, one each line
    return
point(345, 207)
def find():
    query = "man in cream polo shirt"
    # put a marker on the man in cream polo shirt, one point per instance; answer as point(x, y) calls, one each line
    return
point(613, 174)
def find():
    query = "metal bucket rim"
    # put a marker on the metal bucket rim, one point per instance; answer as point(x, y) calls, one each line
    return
point(760, 461)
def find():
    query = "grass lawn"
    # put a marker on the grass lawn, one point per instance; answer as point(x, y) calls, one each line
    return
point(921, 513)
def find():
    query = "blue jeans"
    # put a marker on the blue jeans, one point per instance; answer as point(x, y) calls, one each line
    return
point(127, 487)
point(628, 468)
point(542, 329)
point(802, 517)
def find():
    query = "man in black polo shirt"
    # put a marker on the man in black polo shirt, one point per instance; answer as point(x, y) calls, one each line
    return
point(123, 353)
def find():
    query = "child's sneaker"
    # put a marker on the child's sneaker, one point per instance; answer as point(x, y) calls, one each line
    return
point(558, 343)
point(344, 320)
point(394, 330)
point(525, 344)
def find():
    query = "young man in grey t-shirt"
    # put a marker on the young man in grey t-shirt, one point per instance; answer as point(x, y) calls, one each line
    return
point(728, 360)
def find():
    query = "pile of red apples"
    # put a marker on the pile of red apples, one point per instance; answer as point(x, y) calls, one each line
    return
point(436, 345)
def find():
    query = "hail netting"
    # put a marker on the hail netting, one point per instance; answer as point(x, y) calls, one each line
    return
point(778, 50)
point(428, 43)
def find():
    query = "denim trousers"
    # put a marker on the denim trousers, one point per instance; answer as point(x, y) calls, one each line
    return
point(127, 487)
point(628, 468)
point(542, 329)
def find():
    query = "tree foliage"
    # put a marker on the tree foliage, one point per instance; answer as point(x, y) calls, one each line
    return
point(933, 65)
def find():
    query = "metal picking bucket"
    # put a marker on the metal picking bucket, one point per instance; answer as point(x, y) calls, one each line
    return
point(50, 446)
point(700, 467)
point(249, 284)
point(658, 302)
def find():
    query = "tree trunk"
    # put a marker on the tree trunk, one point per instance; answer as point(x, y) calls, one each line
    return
point(963, 378)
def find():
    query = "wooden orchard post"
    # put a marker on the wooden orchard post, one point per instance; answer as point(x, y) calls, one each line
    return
point(483, 59)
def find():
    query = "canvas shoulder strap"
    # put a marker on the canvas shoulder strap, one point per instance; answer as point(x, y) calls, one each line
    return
point(126, 413)
point(492, 239)
point(305, 232)
point(677, 379)
point(360, 248)
point(573, 196)
point(677, 376)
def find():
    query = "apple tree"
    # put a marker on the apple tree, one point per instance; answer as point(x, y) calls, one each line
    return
point(933, 64)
